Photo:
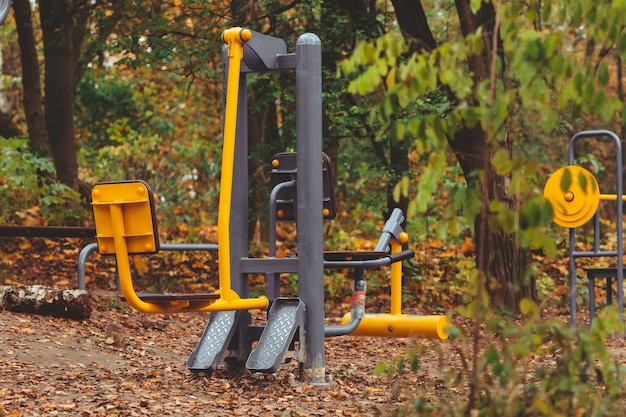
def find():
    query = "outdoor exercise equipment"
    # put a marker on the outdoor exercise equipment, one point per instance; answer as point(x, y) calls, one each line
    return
point(575, 196)
point(302, 191)
point(5, 7)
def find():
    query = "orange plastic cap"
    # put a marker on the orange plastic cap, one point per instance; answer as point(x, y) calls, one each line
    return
point(404, 237)
point(245, 34)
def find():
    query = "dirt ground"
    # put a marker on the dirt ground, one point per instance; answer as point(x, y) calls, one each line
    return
point(124, 363)
point(120, 362)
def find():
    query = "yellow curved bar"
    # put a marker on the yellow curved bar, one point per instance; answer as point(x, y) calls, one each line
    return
point(123, 267)
point(234, 38)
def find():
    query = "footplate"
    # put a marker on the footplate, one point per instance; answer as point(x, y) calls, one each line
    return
point(285, 318)
point(214, 341)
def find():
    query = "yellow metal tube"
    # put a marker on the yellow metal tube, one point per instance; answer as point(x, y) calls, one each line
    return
point(401, 325)
point(611, 197)
point(260, 303)
point(234, 39)
point(396, 280)
point(123, 267)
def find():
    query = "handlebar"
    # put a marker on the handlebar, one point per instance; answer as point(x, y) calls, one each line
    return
point(371, 263)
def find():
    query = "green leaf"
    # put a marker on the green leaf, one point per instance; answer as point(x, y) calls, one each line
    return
point(603, 74)
point(529, 307)
point(566, 180)
point(501, 162)
point(381, 369)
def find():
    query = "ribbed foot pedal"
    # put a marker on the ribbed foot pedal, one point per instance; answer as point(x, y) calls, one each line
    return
point(214, 341)
point(285, 318)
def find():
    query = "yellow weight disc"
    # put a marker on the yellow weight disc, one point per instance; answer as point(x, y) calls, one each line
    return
point(574, 195)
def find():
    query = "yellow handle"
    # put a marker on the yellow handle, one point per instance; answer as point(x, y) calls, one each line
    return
point(396, 280)
point(229, 299)
point(234, 38)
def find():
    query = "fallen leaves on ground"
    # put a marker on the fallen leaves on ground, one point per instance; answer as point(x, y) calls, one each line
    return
point(126, 363)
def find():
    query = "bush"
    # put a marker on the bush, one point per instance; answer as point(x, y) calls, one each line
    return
point(534, 368)
point(30, 195)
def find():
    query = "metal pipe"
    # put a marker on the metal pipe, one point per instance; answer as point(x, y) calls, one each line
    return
point(272, 283)
point(396, 280)
point(358, 307)
point(234, 38)
point(93, 247)
point(309, 204)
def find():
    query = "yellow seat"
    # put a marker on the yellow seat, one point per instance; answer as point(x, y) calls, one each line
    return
point(126, 225)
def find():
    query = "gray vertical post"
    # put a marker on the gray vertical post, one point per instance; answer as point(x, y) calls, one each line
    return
point(238, 227)
point(309, 201)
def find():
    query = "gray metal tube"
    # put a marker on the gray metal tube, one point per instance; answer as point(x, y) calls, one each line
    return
point(392, 228)
point(309, 202)
point(93, 247)
point(272, 281)
point(82, 258)
point(358, 307)
point(349, 327)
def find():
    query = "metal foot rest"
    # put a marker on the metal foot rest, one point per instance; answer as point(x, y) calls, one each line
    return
point(285, 317)
point(600, 273)
point(163, 298)
point(214, 341)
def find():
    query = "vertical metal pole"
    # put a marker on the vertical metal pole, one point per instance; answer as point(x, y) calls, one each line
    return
point(309, 201)
point(239, 217)
point(396, 280)
point(619, 226)
point(572, 278)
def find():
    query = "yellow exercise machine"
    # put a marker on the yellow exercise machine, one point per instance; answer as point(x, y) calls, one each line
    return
point(125, 225)
point(301, 191)
point(124, 216)
point(394, 323)
point(574, 194)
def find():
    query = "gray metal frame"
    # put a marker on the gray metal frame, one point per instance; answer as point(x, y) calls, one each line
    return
point(264, 53)
point(597, 251)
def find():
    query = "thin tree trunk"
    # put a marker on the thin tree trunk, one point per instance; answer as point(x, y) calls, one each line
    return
point(33, 99)
point(499, 256)
point(59, 86)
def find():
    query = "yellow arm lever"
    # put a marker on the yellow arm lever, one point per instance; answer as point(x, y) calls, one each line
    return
point(123, 267)
point(229, 299)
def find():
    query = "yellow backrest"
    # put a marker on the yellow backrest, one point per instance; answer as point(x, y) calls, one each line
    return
point(135, 200)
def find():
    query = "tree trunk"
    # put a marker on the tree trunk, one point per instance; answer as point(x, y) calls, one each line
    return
point(498, 255)
point(36, 299)
point(414, 24)
point(56, 25)
point(33, 99)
